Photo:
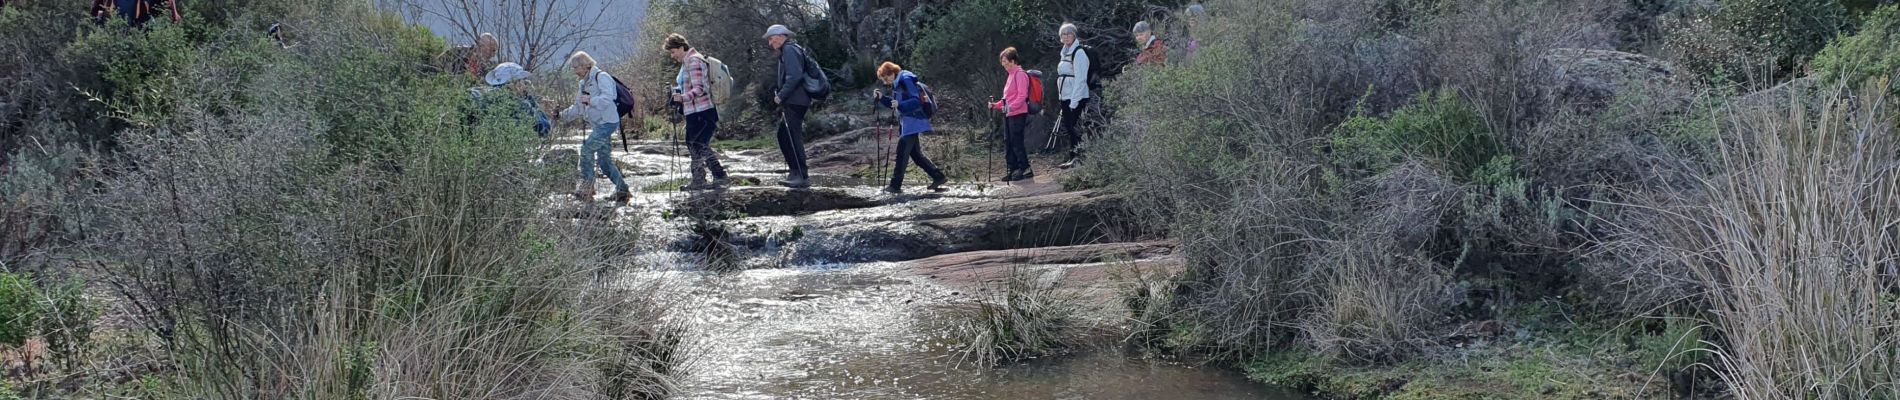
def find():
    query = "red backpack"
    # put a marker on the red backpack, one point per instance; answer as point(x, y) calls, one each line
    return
point(1035, 91)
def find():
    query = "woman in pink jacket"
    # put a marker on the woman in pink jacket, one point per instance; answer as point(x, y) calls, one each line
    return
point(1015, 108)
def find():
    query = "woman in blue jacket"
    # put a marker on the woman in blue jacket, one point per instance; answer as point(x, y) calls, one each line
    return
point(909, 98)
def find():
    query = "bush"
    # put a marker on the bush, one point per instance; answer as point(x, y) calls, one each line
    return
point(1439, 126)
point(18, 309)
point(324, 222)
point(1870, 55)
point(1758, 41)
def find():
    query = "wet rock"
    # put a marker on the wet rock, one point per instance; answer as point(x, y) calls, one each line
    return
point(930, 229)
point(996, 263)
point(774, 201)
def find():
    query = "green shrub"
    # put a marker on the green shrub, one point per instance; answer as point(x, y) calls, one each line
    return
point(1873, 53)
point(1790, 30)
point(19, 312)
point(1438, 126)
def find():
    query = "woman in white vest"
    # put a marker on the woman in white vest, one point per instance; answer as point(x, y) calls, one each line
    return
point(1072, 79)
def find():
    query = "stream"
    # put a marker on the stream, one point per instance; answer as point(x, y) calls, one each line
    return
point(825, 299)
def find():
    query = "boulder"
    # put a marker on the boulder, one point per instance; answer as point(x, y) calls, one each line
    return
point(917, 230)
point(1590, 79)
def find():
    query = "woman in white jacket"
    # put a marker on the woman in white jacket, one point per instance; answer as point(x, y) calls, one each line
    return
point(1072, 80)
point(594, 101)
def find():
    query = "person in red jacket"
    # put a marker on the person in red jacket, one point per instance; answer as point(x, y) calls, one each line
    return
point(1015, 108)
point(1153, 52)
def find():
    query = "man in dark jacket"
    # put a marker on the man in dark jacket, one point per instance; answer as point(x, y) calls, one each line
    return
point(793, 102)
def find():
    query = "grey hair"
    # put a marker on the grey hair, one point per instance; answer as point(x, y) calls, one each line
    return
point(1069, 29)
point(1196, 10)
point(1142, 27)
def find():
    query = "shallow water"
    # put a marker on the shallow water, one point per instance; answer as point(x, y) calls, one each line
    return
point(869, 331)
point(813, 328)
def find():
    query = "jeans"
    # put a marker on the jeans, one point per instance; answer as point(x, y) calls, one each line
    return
point(1070, 116)
point(1014, 153)
point(598, 150)
point(911, 148)
point(791, 139)
point(700, 127)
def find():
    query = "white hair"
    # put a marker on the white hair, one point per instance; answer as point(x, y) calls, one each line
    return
point(1142, 27)
point(1069, 29)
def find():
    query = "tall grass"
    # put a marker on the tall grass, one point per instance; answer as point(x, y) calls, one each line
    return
point(1021, 318)
point(1795, 244)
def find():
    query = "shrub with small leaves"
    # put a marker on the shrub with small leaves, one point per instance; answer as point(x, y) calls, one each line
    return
point(18, 314)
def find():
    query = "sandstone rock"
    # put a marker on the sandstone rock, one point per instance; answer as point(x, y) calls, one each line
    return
point(774, 201)
point(908, 233)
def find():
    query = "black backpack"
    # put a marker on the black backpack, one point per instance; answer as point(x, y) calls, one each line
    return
point(816, 83)
point(1095, 67)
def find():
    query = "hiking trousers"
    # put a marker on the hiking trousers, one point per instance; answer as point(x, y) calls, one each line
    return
point(1014, 153)
point(791, 139)
point(597, 151)
point(1071, 116)
point(911, 147)
point(700, 127)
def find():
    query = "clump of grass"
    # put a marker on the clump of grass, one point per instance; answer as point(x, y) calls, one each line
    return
point(1793, 243)
point(1021, 319)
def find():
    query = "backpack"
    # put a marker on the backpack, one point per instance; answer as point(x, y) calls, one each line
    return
point(1095, 68)
point(721, 78)
point(816, 83)
point(623, 98)
point(928, 98)
point(1035, 91)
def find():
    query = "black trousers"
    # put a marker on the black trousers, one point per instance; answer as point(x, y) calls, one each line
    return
point(700, 127)
point(909, 148)
point(1071, 116)
point(791, 139)
point(1014, 153)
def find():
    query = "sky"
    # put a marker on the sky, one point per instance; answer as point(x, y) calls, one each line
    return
point(624, 16)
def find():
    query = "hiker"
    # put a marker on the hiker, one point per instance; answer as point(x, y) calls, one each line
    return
point(694, 93)
point(472, 60)
point(1015, 108)
point(1195, 13)
point(135, 12)
point(1153, 52)
point(1072, 85)
point(793, 101)
point(914, 105)
point(594, 102)
point(515, 78)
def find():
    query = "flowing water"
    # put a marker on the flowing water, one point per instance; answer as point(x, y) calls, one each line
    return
point(797, 325)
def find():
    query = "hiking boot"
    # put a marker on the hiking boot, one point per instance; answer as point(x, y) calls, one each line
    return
point(695, 187)
point(1073, 161)
point(796, 183)
point(936, 185)
point(620, 197)
point(583, 195)
point(893, 190)
point(1026, 174)
point(1013, 176)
